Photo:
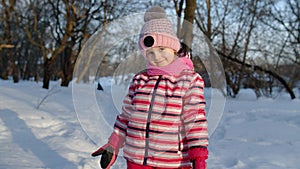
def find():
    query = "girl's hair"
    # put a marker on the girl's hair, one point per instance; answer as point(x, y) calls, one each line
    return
point(184, 51)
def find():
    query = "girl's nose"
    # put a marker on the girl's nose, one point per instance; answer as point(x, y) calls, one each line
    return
point(155, 55)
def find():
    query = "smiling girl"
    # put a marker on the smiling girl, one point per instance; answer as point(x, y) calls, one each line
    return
point(163, 122)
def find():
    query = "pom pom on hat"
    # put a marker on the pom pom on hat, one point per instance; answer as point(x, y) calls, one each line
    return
point(157, 31)
point(155, 12)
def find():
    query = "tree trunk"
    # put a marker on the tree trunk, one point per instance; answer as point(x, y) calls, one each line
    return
point(67, 66)
point(13, 66)
point(208, 32)
point(9, 55)
point(246, 47)
point(4, 75)
point(15, 73)
point(3, 66)
point(186, 31)
point(189, 15)
point(47, 73)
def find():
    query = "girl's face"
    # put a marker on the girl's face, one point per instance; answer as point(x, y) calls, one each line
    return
point(160, 56)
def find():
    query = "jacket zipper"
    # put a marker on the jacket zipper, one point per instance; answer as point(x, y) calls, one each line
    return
point(149, 119)
point(180, 130)
point(179, 144)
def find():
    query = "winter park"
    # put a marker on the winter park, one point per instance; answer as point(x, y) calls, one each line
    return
point(76, 76)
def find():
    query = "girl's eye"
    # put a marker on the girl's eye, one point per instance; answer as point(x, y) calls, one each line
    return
point(161, 49)
point(149, 53)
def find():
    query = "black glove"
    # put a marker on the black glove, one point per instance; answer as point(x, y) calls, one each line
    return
point(109, 156)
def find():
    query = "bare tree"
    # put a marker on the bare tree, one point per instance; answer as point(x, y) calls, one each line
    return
point(84, 13)
point(8, 62)
point(286, 23)
point(68, 25)
point(112, 10)
point(234, 27)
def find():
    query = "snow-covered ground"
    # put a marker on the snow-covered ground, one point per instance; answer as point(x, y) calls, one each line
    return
point(43, 129)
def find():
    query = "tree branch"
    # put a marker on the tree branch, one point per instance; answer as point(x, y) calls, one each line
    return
point(258, 68)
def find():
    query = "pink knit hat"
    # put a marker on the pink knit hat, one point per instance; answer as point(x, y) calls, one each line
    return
point(157, 31)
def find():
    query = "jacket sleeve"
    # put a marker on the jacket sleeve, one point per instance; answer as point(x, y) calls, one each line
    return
point(194, 116)
point(117, 138)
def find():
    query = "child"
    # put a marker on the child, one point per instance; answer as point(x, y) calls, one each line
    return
point(163, 122)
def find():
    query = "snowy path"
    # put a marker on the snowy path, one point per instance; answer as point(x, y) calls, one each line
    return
point(253, 134)
point(48, 137)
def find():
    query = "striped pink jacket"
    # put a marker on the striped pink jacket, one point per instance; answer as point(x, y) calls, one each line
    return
point(162, 118)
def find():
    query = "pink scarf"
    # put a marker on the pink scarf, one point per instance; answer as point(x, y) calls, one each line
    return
point(174, 68)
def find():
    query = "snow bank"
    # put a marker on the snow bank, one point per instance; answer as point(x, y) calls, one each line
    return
point(252, 134)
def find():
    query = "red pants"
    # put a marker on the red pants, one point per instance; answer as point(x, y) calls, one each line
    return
point(131, 165)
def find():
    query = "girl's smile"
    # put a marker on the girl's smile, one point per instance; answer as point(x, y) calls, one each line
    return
point(160, 56)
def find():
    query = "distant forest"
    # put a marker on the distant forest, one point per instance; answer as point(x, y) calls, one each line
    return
point(258, 42)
